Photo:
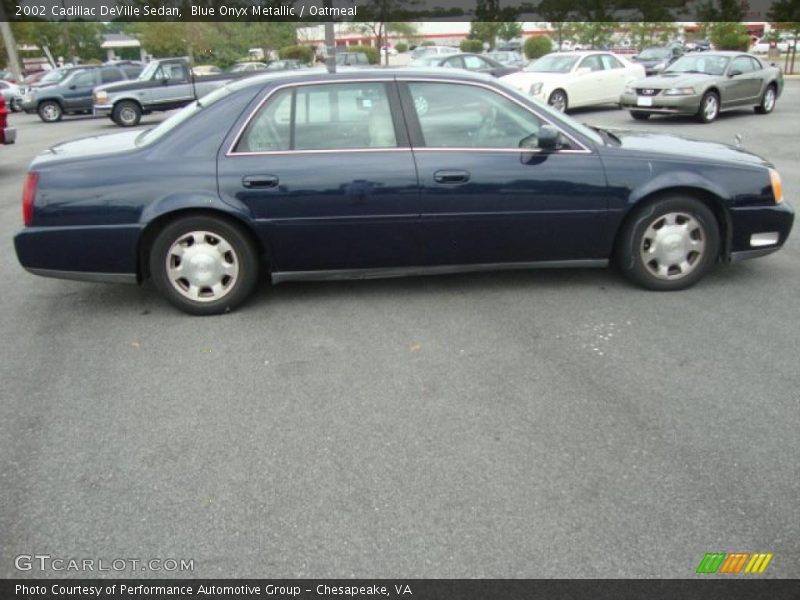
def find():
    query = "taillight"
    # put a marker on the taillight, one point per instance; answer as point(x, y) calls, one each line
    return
point(28, 196)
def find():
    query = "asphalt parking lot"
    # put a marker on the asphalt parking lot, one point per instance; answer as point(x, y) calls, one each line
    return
point(523, 424)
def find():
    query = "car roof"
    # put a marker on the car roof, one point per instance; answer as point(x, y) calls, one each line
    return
point(316, 74)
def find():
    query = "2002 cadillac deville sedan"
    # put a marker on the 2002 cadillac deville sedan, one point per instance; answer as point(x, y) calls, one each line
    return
point(382, 173)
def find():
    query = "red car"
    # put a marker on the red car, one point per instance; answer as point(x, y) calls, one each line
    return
point(8, 135)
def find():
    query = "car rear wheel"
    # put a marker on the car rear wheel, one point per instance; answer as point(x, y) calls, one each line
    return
point(709, 108)
point(669, 244)
point(16, 105)
point(126, 114)
point(767, 101)
point(639, 115)
point(558, 100)
point(204, 265)
point(50, 111)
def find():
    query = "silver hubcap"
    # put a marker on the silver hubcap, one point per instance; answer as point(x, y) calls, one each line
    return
point(128, 115)
point(558, 101)
point(710, 107)
point(50, 112)
point(673, 246)
point(769, 99)
point(202, 266)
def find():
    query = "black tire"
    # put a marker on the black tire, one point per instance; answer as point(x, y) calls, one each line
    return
point(50, 111)
point(244, 256)
point(559, 100)
point(703, 115)
point(126, 113)
point(16, 105)
point(633, 242)
point(639, 115)
point(767, 104)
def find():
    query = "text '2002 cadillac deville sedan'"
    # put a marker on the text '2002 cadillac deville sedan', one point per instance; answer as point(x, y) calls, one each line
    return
point(382, 173)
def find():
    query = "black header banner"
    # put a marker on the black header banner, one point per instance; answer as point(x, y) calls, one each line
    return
point(735, 588)
point(398, 10)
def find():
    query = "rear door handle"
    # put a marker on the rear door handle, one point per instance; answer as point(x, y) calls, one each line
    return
point(451, 176)
point(260, 181)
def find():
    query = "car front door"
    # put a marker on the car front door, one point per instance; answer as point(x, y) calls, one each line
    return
point(173, 85)
point(485, 199)
point(744, 82)
point(327, 173)
point(589, 82)
point(78, 91)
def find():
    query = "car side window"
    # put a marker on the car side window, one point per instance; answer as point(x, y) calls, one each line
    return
point(611, 62)
point(110, 75)
point(455, 115)
point(323, 117)
point(742, 63)
point(454, 63)
point(474, 63)
point(84, 79)
point(756, 64)
point(593, 63)
point(132, 72)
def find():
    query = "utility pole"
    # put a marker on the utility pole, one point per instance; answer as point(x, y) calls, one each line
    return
point(11, 45)
point(330, 46)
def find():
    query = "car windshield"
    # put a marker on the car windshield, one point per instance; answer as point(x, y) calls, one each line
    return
point(553, 63)
point(54, 76)
point(151, 135)
point(426, 61)
point(702, 63)
point(654, 53)
point(148, 71)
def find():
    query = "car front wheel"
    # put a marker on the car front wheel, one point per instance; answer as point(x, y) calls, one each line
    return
point(709, 108)
point(558, 100)
point(50, 111)
point(126, 114)
point(669, 244)
point(639, 115)
point(767, 101)
point(204, 265)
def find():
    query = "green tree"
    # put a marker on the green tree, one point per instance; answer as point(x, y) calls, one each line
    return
point(557, 13)
point(509, 30)
point(468, 45)
point(593, 34)
point(728, 11)
point(537, 45)
point(645, 34)
point(729, 36)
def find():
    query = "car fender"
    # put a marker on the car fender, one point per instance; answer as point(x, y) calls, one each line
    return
point(195, 200)
point(676, 179)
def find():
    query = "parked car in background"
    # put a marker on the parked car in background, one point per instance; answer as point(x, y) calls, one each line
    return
point(7, 76)
point(478, 63)
point(420, 51)
point(657, 58)
point(352, 59)
point(287, 64)
point(460, 174)
point(12, 94)
point(762, 46)
point(509, 58)
point(705, 84)
point(200, 70)
point(8, 134)
point(510, 46)
point(164, 84)
point(72, 93)
point(248, 67)
point(698, 46)
point(573, 79)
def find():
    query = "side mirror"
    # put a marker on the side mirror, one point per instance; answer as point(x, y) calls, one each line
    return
point(546, 138)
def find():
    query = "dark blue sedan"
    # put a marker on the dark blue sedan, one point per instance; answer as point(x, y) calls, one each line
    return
point(383, 173)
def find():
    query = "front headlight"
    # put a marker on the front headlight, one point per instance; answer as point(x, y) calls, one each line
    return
point(536, 89)
point(777, 187)
point(683, 91)
point(100, 96)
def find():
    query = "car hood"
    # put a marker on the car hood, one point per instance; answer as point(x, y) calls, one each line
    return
point(671, 80)
point(522, 80)
point(97, 145)
point(687, 148)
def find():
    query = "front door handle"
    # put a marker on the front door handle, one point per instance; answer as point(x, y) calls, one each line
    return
point(451, 176)
point(260, 181)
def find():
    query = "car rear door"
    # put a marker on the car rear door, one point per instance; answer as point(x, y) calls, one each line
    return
point(326, 172)
point(485, 200)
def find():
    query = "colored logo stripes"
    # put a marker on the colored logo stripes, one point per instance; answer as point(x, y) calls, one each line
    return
point(734, 562)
